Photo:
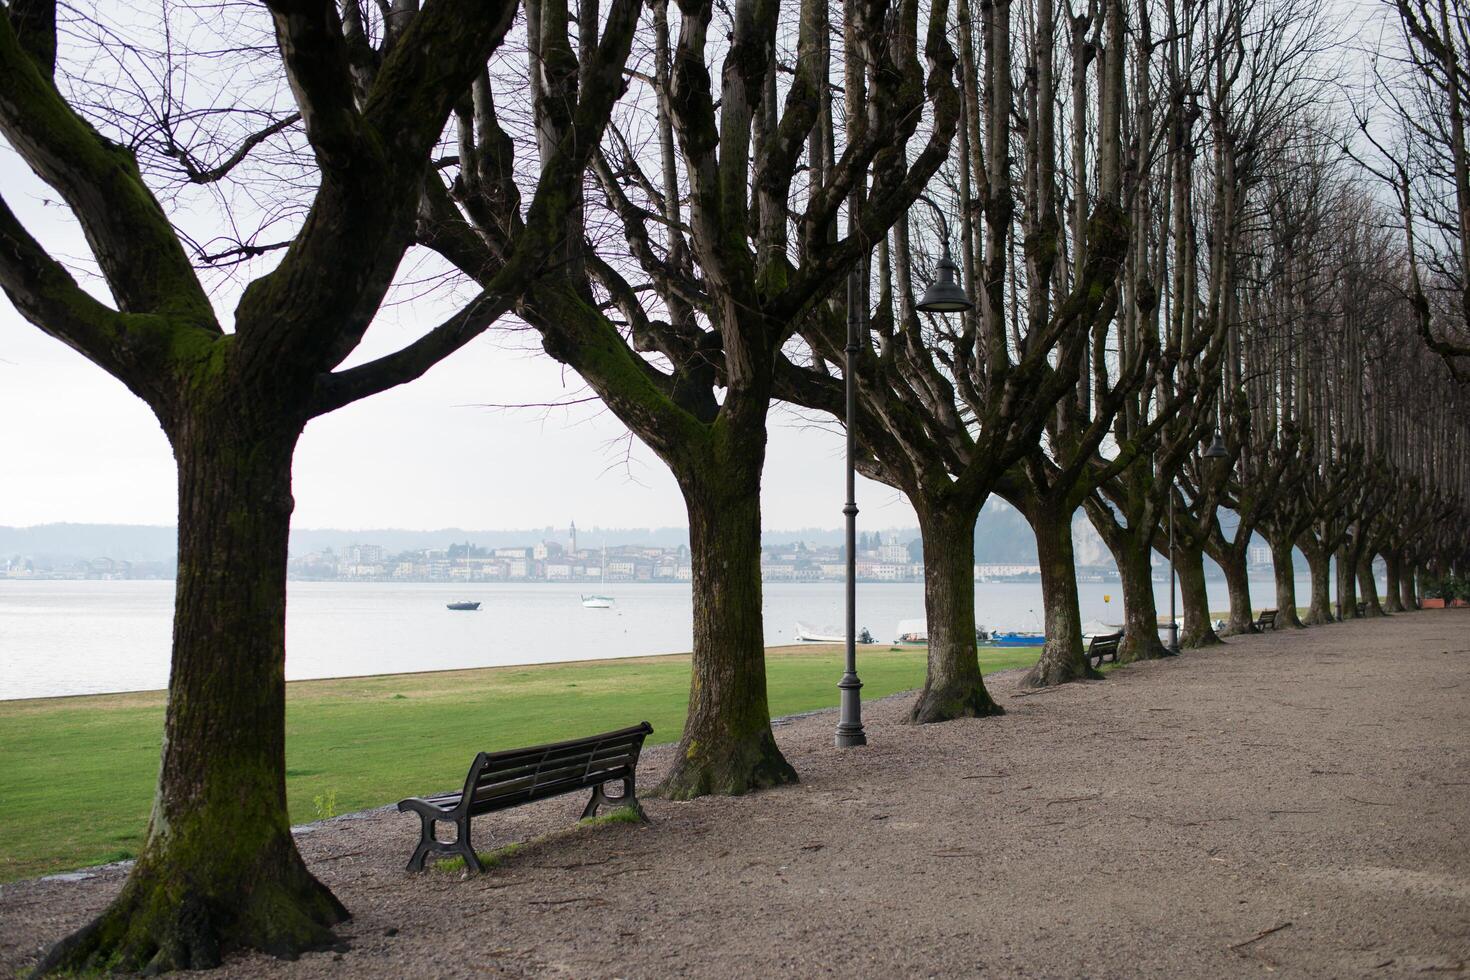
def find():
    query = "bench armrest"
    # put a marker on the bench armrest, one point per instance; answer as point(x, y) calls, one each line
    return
point(426, 808)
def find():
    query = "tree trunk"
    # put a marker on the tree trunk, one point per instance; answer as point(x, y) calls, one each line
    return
point(1408, 587)
point(727, 746)
point(953, 687)
point(1062, 656)
point(1238, 582)
point(1393, 588)
point(1319, 562)
point(1140, 613)
point(1345, 568)
point(1199, 631)
point(219, 869)
point(1368, 587)
point(1285, 569)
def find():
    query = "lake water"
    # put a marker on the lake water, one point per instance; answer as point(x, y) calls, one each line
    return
point(59, 638)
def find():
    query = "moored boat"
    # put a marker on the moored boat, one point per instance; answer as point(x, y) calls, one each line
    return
point(1015, 639)
point(597, 602)
point(915, 632)
point(463, 606)
point(828, 634)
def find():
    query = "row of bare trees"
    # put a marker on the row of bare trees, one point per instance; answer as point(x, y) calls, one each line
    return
point(688, 204)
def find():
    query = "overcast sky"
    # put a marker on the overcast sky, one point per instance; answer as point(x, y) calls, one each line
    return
point(75, 445)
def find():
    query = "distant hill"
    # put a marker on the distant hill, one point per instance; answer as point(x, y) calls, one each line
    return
point(59, 543)
point(141, 542)
point(1001, 536)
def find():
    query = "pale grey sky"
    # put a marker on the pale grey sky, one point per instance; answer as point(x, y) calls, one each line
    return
point(75, 445)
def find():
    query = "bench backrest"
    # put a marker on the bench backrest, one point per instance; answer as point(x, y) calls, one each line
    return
point(1105, 644)
point(1267, 616)
point(504, 779)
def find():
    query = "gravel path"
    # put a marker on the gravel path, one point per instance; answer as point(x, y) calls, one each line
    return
point(1297, 803)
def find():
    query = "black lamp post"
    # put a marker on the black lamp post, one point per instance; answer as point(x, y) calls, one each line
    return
point(850, 719)
point(944, 295)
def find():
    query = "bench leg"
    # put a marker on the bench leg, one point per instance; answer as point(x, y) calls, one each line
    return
point(628, 799)
point(429, 843)
point(466, 849)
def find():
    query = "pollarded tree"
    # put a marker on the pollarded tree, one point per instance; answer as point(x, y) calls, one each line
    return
point(1250, 87)
point(1422, 156)
point(728, 199)
point(219, 869)
point(944, 412)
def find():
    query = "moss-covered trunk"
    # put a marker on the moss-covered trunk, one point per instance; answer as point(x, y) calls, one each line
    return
point(1140, 612)
point(1062, 656)
point(1238, 581)
point(1345, 569)
point(1393, 563)
point(218, 869)
point(1283, 564)
point(727, 746)
point(1319, 563)
point(953, 687)
point(1198, 631)
point(1368, 587)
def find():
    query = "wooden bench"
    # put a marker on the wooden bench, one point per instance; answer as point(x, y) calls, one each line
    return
point(1266, 620)
point(1361, 609)
point(501, 780)
point(1104, 647)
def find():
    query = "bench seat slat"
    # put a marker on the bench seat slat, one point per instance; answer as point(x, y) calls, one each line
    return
point(507, 761)
point(635, 733)
point(543, 791)
point(587, 758)
point(579, 772)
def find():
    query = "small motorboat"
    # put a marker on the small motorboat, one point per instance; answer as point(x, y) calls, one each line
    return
point(915, 632)
point(828, 634)
point(463, 606)
point(911, 631)
point(1016, 639)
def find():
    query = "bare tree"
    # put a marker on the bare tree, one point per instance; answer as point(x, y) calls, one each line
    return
point(721, 238)
point(1423, 160)
point(945, 412)
point(218, 869)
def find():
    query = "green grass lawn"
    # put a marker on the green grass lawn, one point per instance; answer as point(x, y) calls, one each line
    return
point(78, 774)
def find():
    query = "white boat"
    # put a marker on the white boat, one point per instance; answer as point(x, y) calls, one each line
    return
point(599, 601)
point(915, 632)
point(912, 631)
point(828, 634)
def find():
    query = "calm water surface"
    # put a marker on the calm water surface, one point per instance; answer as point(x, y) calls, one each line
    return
point(60, 638)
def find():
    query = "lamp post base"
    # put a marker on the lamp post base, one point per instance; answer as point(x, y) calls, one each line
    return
point(850, 727)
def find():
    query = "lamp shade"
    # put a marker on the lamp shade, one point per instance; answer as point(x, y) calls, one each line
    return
point(1217, 449)
point(945, 295)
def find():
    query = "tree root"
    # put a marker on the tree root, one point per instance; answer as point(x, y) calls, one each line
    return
point(1051, 671)
point(162, 922)
point(1205, 638)
point(947, 702)
point(728, 768)
point(1148, 647)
